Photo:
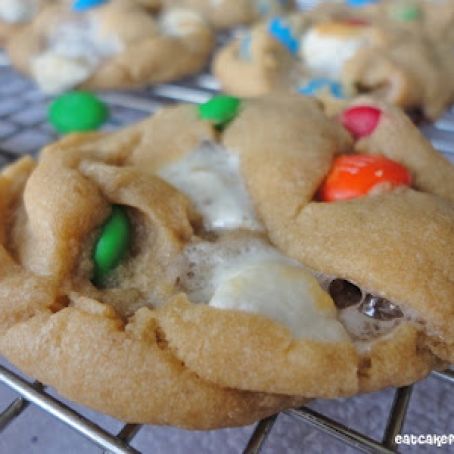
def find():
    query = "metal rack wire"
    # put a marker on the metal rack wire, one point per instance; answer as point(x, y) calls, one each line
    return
point(24, 129)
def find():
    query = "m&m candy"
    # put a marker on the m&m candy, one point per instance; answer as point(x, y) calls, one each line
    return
point(355, 22)
point(361, 121)
point(280, 30)
point(360, 3)
point(112, 244)
point(356, 175)
point(83, 5)
point(77, 111)
point(315, 86)
point(405, 12)
point(220, 110)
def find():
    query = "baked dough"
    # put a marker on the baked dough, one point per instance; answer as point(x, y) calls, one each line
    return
point(223, 292)
point(14, 14)
point(152, 5)
point(230, 13)
point(51, 334)
point(348, 51)
point(116, 45)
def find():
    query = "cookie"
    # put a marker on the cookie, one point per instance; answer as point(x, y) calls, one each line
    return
point(283, 167)
point(335, 53)
point(50, 325)
point(153, 5)
point(115, 45)
point(204, 262)
point(227, 13)
point(14, 14)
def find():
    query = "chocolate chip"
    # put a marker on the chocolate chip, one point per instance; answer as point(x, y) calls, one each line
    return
point(380, 308)
point(344, 293)
point(417, 115)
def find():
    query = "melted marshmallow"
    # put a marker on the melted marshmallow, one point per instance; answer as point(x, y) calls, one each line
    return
point(74, 52)
point(362, 327)
point(179, 22)
point(17, 11)
point(55, 74)
point(325, 50)
point(210, 177)
point(251, 276)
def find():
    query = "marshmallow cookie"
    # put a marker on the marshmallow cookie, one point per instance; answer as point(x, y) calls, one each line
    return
point(116, 44)
point(229, 13)
point(80, 288)
point(337, 53)
point(435, 18)
point(223, 259)
point(380, 310)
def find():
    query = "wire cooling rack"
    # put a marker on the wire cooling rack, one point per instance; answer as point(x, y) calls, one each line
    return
point(24, 129)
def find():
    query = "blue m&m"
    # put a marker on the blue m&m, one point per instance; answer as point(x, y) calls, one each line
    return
point(83, 5)
point(359, 3)
point(314, 86)
point(279, 29)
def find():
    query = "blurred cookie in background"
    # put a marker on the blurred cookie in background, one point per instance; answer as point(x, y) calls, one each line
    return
point(104, 45)
point(150, 4)
point(337, 52)
point(14, 14)
point(229, 13)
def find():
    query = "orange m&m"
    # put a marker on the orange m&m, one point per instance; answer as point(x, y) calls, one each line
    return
point(357, 175)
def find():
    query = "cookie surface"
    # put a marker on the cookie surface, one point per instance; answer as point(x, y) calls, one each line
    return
point(14, 14)
point(237, 286)
point(396, 51)
point(115, 45)
point(43, 329)
point(230, 13)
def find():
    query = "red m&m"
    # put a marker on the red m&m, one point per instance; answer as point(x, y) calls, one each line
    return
point(361, 121)
point(357, 175)
point(355, 21)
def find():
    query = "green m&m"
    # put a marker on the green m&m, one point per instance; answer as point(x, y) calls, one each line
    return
point(112, 244)
point(406, 13)
point(77, 111)
point(220, 110)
